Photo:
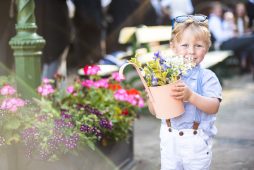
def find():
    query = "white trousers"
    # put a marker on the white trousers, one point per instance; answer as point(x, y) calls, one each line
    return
point(182, 150)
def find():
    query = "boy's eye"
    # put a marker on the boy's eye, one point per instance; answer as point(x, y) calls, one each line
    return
point(184, 45)
point(198, 46)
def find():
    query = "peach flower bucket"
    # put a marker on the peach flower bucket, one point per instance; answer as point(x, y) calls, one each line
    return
point(165, 106)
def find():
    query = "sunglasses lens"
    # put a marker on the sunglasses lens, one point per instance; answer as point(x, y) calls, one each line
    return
point(199, 18)
point(181, 19)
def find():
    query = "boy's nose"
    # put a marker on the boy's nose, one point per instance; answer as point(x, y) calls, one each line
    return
point(191, 50)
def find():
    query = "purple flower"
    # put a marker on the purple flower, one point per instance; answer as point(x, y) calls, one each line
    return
point(92, 110)
point(85, 128)
point(105, 123)
point(59, 123)
point(97, 132)
point(58, 136)
point(154, 81)
point(29, 137)
point(64, 114)
point(44, 155)
point(71, 142)
point(156, 55)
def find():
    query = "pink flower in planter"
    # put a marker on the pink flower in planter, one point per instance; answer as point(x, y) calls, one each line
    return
point(121, 95)
point(141, 102)
point(7, 90)
point(134, 99)
point(12, 104)
point(87, 83)
point(91, 70)
point(46, 81)
point(70, 89)
point(131, 99)
point(101, 83)
point(117, 77)
point(45, 89)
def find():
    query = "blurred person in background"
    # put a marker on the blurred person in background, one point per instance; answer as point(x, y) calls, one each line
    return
point(87, 24)
point(122, 15)
point(241, 19)
point(228, 39)
point(242, 29)
point(250, 12)
point(156, 4)
point(229, 21)
point(52, 19)
point(174, 8)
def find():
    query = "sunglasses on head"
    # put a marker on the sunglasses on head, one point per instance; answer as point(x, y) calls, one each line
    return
point(183, 18)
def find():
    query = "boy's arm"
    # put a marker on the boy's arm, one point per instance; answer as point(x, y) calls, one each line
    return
point(206, 104)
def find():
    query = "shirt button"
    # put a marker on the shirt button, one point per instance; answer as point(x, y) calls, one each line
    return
point(181, 133)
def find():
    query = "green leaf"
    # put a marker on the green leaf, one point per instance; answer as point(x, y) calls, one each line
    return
point(15, 138)
point(90, 144)
point(135, 61)
point(12, 124)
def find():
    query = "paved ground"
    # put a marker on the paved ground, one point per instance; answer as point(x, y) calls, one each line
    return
point(233, 146)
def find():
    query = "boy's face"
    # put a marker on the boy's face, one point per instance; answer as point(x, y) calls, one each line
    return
point(190, 47)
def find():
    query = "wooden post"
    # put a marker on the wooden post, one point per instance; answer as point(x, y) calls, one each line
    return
point(27, 46)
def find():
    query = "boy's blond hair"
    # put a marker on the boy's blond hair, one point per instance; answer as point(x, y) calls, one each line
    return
point(199, 30)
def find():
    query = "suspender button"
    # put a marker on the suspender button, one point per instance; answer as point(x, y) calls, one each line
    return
point(169, 129)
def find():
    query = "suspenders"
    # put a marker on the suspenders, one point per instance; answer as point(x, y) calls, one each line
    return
point(197, 112)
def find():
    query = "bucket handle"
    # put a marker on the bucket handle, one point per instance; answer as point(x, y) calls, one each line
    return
point(141, 77)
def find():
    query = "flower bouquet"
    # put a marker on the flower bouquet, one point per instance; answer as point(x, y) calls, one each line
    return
point(158, 77)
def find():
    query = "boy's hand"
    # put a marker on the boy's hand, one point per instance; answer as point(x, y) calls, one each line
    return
point(181, 91)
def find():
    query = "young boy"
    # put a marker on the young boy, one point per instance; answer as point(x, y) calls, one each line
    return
point(186, 140)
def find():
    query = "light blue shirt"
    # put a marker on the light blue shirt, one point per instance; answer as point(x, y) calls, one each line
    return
point(210, 87)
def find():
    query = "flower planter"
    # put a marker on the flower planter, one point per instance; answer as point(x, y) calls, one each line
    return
point(114, 156)
point(165, 106)
point(60, 119)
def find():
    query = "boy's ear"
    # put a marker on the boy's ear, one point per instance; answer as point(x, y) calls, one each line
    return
point(171, 45)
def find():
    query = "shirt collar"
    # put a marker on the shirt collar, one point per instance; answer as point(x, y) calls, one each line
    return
point(192, 74)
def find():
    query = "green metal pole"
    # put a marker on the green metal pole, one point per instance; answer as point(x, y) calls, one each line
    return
point(27, 46)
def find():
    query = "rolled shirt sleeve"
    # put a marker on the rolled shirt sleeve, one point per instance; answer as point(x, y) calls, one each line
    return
point(211, 85)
